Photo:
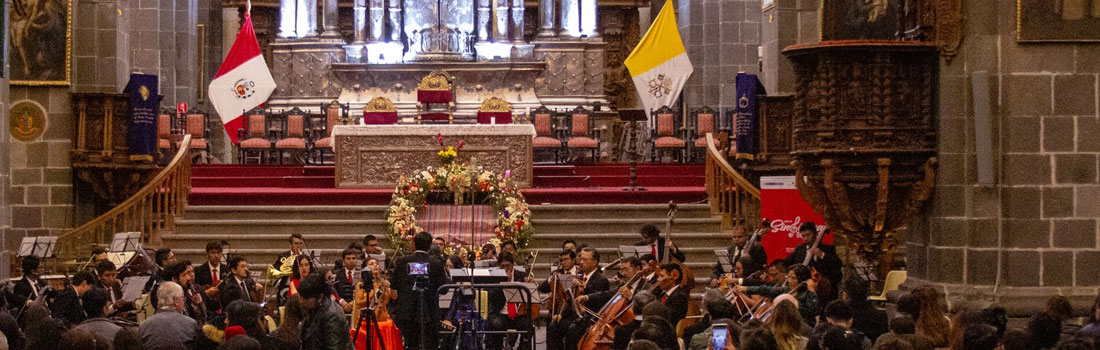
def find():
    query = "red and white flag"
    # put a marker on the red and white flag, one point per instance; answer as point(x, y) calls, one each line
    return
point(243, 81)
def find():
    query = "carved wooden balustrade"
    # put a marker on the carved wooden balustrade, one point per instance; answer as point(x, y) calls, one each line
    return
point(151, 211)
point(729, 193)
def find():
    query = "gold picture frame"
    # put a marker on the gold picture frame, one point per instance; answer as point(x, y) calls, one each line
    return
point(1065, 21)
point(41, 40)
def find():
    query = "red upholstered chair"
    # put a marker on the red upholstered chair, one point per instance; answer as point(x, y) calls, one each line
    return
point(196, 126)
point(164, 134)
point(291, 135)
point(253, 138)
point(667, 134)
point(379, 111)
point(546, 135)
point(704, 120)
point(435, 99)
point(321, 139)
point(581, 134)
point(494, 110)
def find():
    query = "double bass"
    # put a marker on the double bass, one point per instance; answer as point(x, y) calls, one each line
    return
point(616, 313)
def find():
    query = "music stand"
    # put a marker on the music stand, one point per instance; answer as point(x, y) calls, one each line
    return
point(724, 259)
point(632, 117)
point(485, 263)
point(42, 247)
point(126, 242)
point(634, 250)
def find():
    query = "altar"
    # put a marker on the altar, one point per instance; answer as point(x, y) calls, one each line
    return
point(375, 156)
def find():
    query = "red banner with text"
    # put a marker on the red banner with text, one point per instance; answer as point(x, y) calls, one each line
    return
point(781, 203)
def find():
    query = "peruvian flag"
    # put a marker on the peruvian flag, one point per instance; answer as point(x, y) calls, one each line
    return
point(243, 81)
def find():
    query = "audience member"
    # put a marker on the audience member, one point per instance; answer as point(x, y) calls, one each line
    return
point(909, 305)
point(903, 328)
point(127, 338)
point(95, 302)
point(1091, 328)
point(643, 345)
point(963, 320)
point(836, 315)
point(243, 342)
point(1045, 330)
point(325, 327)
point(979, 336)
point(1059, 307)
point(839, 338)
point(758, 338)
point(46, 334)
point(1017, 339)
point(932, 323)
point(893, 343)
point(169, 328)
point(250, 316)
point(77, 339)
point(788, 327)
point(657, 333)
point(997, 317)
point(721, 311)
point(1074, 343)
point(624, 333)
point(289, 330)
point(9, 327)
point(865, 317)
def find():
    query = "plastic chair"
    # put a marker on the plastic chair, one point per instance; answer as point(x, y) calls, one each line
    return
point(894, 279)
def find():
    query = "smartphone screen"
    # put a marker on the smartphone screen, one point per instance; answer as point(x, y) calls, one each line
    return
point(718, 336)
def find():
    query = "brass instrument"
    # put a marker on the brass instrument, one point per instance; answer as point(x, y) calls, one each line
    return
point(286, 267)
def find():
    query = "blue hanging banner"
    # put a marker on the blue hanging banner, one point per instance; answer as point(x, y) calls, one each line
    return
point(144, 104)
point(745, 128)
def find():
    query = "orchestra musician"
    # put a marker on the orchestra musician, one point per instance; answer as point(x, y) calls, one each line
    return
point(285, 261)
point(503, 315)
point(799, 285)
point(824, 259)
point(210, 274)
point(649, 261)
point(651, 236)
point(183, 274)
point(370, 245)
point(28, 288)
point(559, 324)
point(671, 293)
point(303, 266)
point(66, 304)
point(590, 282)
point(756, 254)
point(344, 283)
point(163, 258)
point(377, 297)
point(108, 281)
point(240, 277)
point(629, 266)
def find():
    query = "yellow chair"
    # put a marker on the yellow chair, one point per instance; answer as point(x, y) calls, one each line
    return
point(894, 279)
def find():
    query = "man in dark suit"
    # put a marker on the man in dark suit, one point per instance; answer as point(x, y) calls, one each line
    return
point(284, 261)
point(651, 236)
point(757, 257)
point(208, 275)
point(590, 297)
point(503, 315)
point(163, 258)
point(28, 288)
point(673, 295)
point(238, 266)
point(418, 296)
point(629, 267)
point(823, 259)
point(108, 281)
point(66, 304)
point(345, 276)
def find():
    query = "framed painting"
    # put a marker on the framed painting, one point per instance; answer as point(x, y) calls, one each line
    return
point(859, 19)
point(1057, 20)
point(40, 32)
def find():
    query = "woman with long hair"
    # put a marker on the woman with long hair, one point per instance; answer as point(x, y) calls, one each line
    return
point(932, 322)
point(290, 330)
point(1092, 326)
point(376, 297)
point(786, 323)
point(302, 267)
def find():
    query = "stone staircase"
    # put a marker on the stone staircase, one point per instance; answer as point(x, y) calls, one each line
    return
point(260, 232)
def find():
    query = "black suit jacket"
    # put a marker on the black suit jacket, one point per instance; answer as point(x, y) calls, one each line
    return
point(22, 291)
point(605, 296)
point(677, 304)
point(676, 253)
point(757, 254)
point(249, 287)
point(830, 265)
point(345, 289)
point(407, 305)
point(203, 280)
point(66, 306)
point(594, 289)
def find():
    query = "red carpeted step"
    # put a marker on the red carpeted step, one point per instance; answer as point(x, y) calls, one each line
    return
point(265, 181)
point(232, 170)
point(316, 196)
point(542, 181)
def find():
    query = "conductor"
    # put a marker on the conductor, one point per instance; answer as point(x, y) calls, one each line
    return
point(416, 311)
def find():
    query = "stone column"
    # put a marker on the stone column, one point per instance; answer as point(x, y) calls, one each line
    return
point(588, 18)
point(546, 18)
point(359, 21)
point(331, 28)
point(307, 18)
point(287, 18)
point(570, 18)
point(484, 23)
point(377, 20)
point(517, 21)
point(501, 21)
point(395, 20)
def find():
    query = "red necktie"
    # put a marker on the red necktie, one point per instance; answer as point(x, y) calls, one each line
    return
point(653, 249)
point(664, 299)
point(349, 276)
point(215, 272)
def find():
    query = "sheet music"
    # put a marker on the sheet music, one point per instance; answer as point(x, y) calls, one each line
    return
point(133, 287)
point(485, 263)
point(120, 258)
point(635, 251)
point(125, 241)
point(27, 246)
point(724, 259)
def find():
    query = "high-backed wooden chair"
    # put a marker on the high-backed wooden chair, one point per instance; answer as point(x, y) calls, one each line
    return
point(731, 125)
point(581, 133)
point(435, 99)
point(704, 120)
point(494, 110)
point(253, 138)
point(379, 111)
point(195, 125)
point(668, 135)
point(334, 114)
point(547, 138)
point(291, 135)
point(164, 134)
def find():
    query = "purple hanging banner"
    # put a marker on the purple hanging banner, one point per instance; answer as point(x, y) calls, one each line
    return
point(745, 128)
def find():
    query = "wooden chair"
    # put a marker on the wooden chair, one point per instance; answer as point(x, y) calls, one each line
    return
point(291, 135)
point(704, 121)
point(253, 138)
point(195, 125)
point(731, 122)
point(435, 99)
point(667, 135)
point(164, 135)
point(581, 133)
point(321, 138)
point(379, 111)
point(546, 135)
point(494, 110)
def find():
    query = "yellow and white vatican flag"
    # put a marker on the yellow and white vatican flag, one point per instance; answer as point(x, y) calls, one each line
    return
point(659, 64)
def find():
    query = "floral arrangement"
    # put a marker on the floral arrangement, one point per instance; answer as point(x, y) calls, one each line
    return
point(458, 183)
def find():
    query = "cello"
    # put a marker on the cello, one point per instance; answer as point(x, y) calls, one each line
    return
point(616, 313)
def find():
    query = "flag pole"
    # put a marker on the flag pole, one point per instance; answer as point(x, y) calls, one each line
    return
point(248, 7)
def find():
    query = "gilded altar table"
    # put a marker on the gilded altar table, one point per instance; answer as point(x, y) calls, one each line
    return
point(375, 156)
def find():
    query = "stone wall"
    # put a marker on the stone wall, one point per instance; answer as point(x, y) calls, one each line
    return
point(721, 37)
point(1034, 232)
point(786, 23)
point(41, 189)
point(5, 162)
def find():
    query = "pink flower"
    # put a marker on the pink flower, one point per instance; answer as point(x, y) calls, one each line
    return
point(507, 174)
point(460, 144)
point(439, 137)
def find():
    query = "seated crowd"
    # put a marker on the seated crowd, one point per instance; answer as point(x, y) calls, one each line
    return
point(363, 302)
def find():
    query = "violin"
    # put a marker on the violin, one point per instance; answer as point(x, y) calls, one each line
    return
point(558, 297)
